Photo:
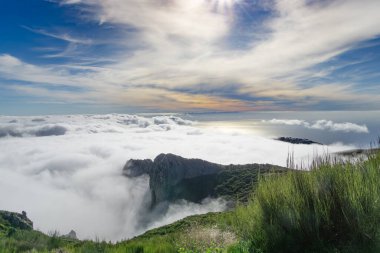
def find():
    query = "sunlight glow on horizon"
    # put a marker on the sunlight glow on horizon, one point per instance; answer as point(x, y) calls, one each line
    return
point(223, 6)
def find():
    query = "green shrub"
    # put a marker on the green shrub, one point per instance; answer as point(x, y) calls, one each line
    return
point(332, 208)
point(134, 248)
point(241, 247)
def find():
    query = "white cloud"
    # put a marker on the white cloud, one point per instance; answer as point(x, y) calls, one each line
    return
point(290, 122)
point(322, 125)
point(344, 127)
point(75, 181)
point(183, 209)
point(182, 44)
point(14, 69)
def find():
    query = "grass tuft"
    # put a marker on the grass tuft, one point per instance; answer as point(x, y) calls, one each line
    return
point(334, 207)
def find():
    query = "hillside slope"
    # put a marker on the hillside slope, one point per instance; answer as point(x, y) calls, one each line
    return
point(173, 177)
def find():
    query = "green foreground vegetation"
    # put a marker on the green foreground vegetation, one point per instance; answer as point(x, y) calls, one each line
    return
point(334, 208)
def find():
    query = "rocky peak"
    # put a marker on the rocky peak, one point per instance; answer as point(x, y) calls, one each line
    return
point(178, 168)
point(71, 235)
point(16, 220)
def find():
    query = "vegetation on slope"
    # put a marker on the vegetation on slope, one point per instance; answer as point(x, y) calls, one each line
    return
point(236, 182)
point(199, 233)
point(335, 207)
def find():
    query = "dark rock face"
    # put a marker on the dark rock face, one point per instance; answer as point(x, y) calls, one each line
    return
point(170, 171)
point(297, 140)
point(136, 168)
point(16, 220)
point(173, 177)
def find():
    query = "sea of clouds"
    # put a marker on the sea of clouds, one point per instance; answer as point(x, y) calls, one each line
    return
point(66, 171)
point(322, 124)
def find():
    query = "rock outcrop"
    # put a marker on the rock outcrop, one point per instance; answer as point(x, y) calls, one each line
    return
point(173, 177)
point(170, 173)
point(71, 235)
point(16, 220)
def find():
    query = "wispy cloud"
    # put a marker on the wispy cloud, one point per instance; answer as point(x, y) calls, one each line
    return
point(182, 45)
point(322, 125)
point(60, 36)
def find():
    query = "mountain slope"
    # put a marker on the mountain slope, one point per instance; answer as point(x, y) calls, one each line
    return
point(173, 177)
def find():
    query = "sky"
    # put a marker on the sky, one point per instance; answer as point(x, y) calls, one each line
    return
point(102, 56)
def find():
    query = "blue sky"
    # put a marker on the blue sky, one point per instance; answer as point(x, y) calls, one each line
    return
point(93, 56)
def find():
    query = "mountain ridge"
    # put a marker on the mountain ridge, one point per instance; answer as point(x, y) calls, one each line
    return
point(172, 177)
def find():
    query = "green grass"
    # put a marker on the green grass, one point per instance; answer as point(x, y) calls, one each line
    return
point(220, 219)
point(167, 239)
point(333, 208)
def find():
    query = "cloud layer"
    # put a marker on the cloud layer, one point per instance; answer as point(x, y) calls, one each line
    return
point(75, 181)
point(322, 125)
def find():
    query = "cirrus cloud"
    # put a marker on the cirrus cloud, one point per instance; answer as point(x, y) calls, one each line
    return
point(181, 47)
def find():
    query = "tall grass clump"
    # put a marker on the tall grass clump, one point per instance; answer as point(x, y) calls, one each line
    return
point(334, 207)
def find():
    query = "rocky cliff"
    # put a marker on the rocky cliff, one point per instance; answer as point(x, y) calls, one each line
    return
point(173, 177)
